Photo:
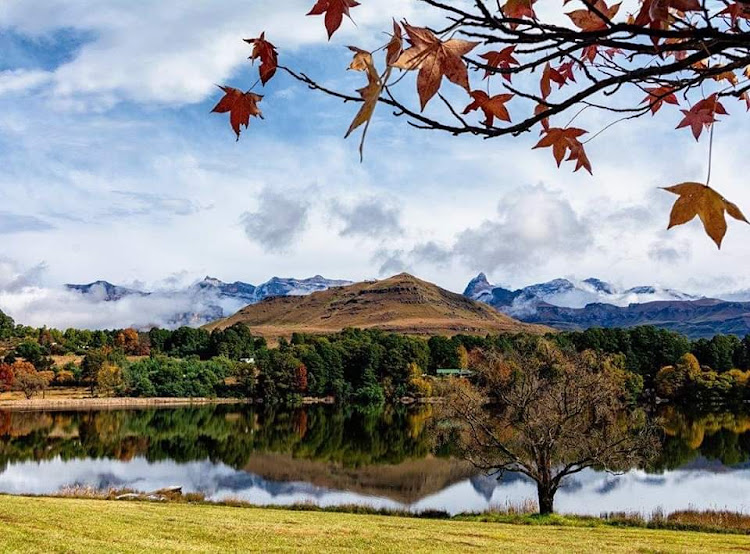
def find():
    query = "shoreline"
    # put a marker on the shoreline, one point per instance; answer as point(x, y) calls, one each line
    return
point(35, 404)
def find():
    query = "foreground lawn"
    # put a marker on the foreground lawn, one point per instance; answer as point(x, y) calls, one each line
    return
point(72, 525)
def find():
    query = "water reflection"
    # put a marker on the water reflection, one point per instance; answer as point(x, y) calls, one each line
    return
point(329, 455)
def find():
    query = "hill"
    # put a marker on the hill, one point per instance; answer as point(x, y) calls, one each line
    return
point(402, 304)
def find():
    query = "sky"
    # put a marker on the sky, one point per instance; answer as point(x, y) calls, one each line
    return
point(112, 166)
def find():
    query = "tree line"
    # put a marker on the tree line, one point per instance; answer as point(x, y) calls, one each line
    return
point(367, 366)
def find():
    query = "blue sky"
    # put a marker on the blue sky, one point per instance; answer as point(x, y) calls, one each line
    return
point(113, 167)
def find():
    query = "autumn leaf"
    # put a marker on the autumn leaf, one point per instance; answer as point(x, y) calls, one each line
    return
point(703, 201)
point(565, 141)
point(362, 61)
point(736, 11)
point(240, 105)
point(491, 106)
point(548, 75)
point(702, 114)
point(334, 11)
point(434, 59)
point(541, 108)
point(657, 96)
point(589, 20)
point(517, 9)
point(266, 52)
point(501, 59)
point(395, 46)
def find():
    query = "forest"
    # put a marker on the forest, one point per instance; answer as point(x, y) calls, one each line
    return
point(363, 366)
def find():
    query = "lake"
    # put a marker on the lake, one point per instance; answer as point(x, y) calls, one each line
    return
point(330, 455)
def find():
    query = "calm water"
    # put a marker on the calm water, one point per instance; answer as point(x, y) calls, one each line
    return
point(326, 455)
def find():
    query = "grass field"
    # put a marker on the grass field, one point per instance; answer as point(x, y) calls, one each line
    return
point(74, 525)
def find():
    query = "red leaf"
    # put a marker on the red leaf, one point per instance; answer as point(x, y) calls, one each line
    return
point(501, 59)
point(702, 115)
point(266, 52)
point(240, 105)
point(658, 96)
point(334, 11)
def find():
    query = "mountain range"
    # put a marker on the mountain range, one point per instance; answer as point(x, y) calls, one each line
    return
point(206, 300)
point(564, 304)
point(567, 305)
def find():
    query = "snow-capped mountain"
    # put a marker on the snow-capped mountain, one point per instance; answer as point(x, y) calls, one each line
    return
point(105, 291)
point(565, 293)
point(202, 302)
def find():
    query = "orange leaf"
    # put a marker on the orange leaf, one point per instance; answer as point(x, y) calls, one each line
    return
point(240, 105)
point(395, 46)
point(588, 20)
point(434, 59)
point(491, 106)
point(565, 141)
point(697, 199)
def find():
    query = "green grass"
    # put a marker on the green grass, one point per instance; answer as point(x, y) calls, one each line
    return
point(77, 525)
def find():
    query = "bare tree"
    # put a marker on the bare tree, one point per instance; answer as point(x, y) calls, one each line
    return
point(547, 414)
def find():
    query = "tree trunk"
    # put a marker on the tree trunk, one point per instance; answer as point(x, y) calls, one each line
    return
point(546, 498)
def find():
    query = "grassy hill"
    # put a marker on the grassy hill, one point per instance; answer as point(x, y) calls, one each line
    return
point(402, 304)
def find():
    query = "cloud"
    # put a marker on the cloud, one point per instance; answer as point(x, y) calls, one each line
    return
point(670, 252)
point(16, 223)
point(432, 253)
point(278, 222)
point(171, 52)
point(391, 262)
point(143, 203)
point(532, 225)
point(25, 298)
point(369, 217)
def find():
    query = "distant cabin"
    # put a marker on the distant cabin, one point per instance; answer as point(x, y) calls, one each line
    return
point(454, 373)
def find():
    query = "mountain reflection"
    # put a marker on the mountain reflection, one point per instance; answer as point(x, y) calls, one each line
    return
point(331, 455)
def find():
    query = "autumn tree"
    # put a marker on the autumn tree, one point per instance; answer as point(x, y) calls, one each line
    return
point(6, 377)
point(547, 414)
point(517, 66)
point(109, 379)
point(128, 340)
point(27, 379)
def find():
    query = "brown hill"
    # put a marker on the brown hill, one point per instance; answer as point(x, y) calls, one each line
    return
point(402, 304)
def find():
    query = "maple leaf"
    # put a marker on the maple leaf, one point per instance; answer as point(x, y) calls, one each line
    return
point(702, 114)
point(362, 61)
point(657, 96)
point(565, 141)
point(518, 9)
point(703, 201)
point(502, 59)
point(589, 20)
point(655, 13)
point(492, 106)
point(395, 46)
point(266, 52)
point(334, 11)
point(240, 105)
point(736, 11)
point(548, 75)
point(434, 59)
